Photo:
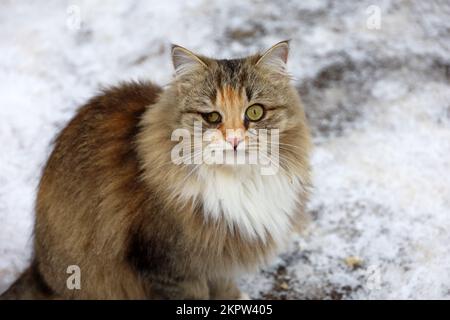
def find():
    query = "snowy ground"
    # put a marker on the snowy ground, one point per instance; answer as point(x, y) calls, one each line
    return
point(378, 101)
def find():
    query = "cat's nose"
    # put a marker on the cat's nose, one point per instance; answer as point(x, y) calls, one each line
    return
point(234, 141)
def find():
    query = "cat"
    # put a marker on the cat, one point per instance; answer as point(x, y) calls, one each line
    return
point(138, 225)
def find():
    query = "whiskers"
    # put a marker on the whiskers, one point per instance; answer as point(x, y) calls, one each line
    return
point(286, 155)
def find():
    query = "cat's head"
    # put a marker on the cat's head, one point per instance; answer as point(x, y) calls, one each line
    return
point(238, 100)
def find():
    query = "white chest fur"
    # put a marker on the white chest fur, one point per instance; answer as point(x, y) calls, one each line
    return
point(253, 204)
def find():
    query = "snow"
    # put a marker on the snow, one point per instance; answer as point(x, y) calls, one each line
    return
point(378, 102)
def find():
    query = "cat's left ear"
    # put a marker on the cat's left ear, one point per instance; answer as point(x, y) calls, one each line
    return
point(275, 57)
point(184, 60)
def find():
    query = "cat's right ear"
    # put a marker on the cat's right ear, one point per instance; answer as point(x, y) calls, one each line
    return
point(185, 61)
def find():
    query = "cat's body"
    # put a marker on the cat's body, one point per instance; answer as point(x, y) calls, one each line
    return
point(137, 225)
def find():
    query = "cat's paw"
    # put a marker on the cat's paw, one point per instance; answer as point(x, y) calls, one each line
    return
point(244, 296)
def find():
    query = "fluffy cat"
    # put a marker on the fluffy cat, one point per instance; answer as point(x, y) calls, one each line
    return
point(113, 202)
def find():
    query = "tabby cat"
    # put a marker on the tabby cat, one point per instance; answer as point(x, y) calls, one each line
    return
point(137, 224)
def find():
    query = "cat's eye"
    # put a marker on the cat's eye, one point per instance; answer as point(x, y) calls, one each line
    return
point(254, 112)
point(212, 117)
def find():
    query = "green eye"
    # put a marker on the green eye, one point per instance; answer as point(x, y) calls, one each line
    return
point(212, 117)
point(254, 112)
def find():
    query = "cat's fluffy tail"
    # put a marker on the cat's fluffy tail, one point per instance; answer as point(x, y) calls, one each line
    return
point(30, 286)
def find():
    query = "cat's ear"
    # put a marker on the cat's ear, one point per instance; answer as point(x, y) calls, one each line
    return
point(275, 57)
point(184, 60)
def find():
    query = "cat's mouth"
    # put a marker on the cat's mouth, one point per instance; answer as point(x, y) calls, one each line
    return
point(240, 157)
point(223, 154)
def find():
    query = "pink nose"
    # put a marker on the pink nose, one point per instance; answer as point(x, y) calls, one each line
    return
point(234, 141)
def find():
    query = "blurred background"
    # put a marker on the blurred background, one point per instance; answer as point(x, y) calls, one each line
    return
point(375, 80)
